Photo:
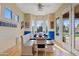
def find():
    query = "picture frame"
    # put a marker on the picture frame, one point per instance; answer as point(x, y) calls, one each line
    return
point(27, 24)
point(52, 24)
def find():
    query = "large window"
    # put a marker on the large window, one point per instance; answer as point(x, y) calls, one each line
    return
point(39, 26)
point(7, 13)
point(39, 23)
point(65, 27)
point(76, 33)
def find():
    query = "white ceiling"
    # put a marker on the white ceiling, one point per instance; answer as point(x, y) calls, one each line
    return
point(33, 9)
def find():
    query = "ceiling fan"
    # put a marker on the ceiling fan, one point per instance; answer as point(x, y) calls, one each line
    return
point(40, 6)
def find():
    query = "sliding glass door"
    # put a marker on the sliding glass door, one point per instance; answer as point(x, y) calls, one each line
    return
point(69, 28)
point(75, 29)
point(66, 26)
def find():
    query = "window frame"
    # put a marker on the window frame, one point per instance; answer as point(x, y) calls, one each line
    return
point(57, 19)
point(16, 18)
point(8, 10)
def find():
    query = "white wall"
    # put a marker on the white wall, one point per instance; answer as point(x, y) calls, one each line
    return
point(7, 38)
point(8, 35)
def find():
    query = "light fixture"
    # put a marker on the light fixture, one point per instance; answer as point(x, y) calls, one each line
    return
point(40, 6)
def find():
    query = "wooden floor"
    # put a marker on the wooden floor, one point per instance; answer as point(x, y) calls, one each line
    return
point(40, 53)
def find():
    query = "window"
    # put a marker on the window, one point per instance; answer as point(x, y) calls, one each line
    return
point(33, 26)
point(0, 9)
point(39, 26)
point(13, 16)
point(17, 18)
point(66, 27)
point(39, 23)
point(57, 26)
point(76, 27)
point(46, 26)
point(7, 13)
point(32, 23)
